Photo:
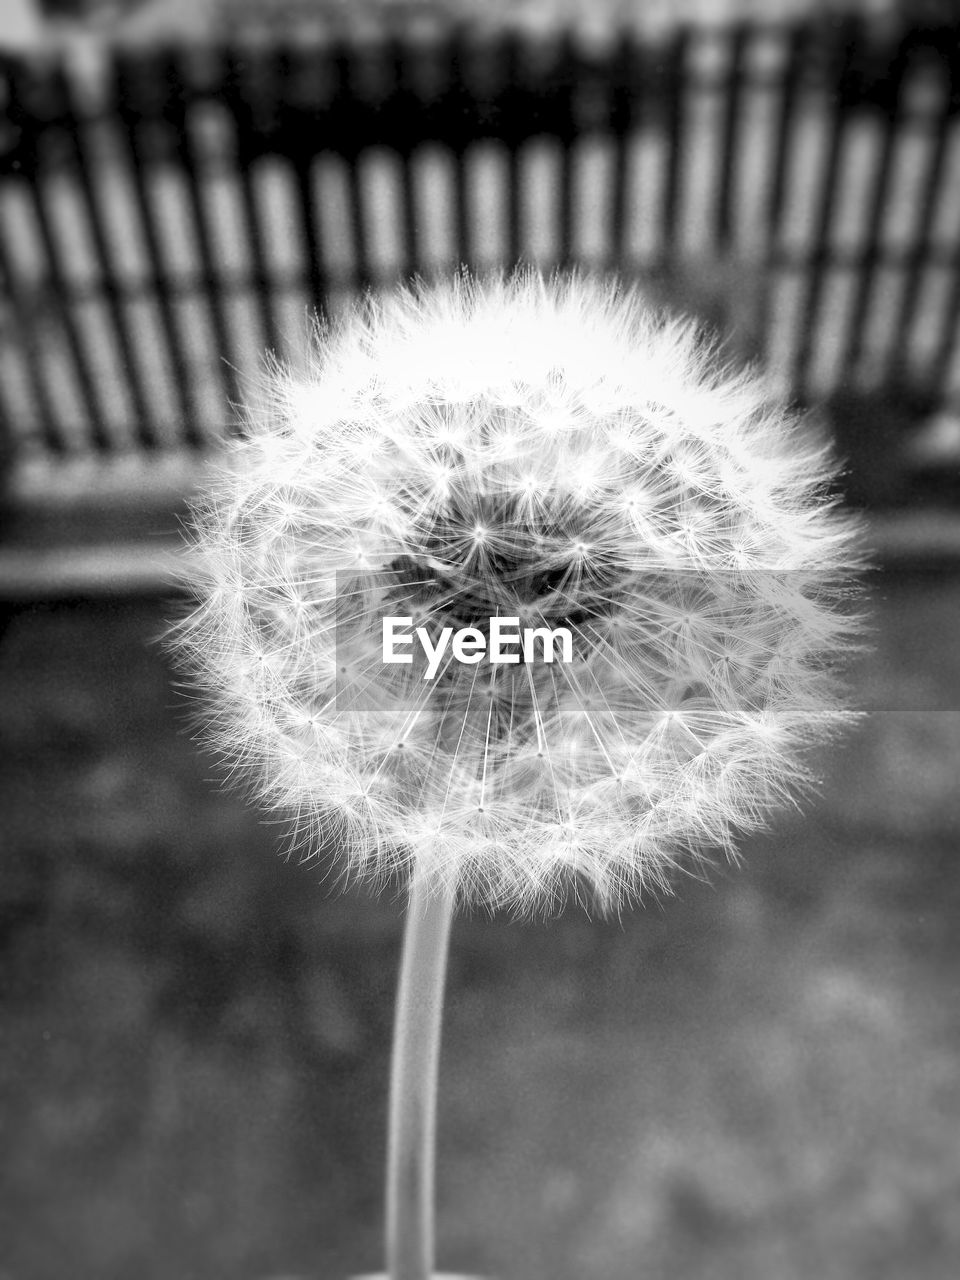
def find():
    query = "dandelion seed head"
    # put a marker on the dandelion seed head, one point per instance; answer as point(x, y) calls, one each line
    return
point(559, 453)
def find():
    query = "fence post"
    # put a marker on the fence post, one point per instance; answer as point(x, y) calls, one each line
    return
point(23, 27)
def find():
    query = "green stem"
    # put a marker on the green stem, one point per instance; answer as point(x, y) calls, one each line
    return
point(413, 1084)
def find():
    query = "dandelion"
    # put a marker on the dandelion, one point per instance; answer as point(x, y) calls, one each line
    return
point(521, 457)
point(555, 454)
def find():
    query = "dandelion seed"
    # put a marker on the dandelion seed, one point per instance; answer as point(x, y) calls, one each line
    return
point(556, 453)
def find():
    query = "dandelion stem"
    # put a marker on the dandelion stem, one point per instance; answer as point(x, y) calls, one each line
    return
point(413, 1084)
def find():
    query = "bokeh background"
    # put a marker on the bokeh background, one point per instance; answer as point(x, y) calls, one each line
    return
point(755, 1079)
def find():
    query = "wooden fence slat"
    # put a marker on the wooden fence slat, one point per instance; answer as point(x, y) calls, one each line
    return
point(55, 287)
point(819, 260)
point(174, 71)
point(127, 73)
point(674, 104)
point(144, 427)
point(28, 344)
point(243, 91)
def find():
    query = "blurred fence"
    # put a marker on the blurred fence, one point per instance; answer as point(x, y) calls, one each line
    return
point(171, 214)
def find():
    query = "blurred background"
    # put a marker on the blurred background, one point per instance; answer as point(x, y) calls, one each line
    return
point(756, 1079)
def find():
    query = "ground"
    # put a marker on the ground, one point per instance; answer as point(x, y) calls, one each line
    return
point(756, 1079)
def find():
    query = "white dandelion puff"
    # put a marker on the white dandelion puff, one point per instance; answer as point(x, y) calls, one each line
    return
point(556, 453)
